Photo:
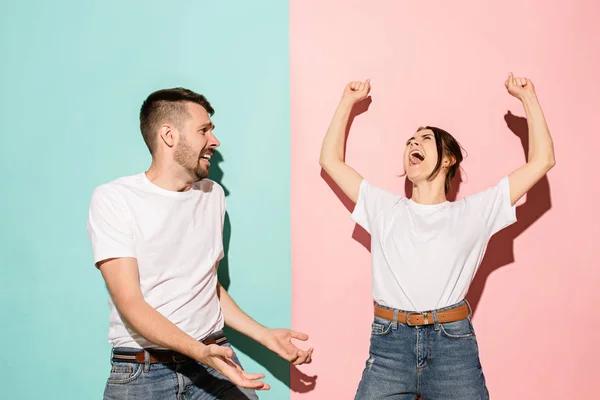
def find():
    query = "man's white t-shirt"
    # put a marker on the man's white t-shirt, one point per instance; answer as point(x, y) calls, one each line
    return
point(177, 240)
point(424, 257)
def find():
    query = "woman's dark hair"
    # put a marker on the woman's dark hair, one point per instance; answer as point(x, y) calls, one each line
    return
point(446, 146)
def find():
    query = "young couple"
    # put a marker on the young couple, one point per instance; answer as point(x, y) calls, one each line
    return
point(157, 240)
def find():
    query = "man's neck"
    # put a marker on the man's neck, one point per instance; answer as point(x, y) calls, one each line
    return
point(169, 177)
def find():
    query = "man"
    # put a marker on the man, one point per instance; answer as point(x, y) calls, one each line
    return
point(157, 240)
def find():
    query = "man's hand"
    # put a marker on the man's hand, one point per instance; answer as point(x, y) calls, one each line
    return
point(219, 358)
point(357, 91)
point(279, 341)
point(519, 87)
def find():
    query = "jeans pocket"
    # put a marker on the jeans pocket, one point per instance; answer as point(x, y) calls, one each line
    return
point(124, 372)
point(381, 327)
point(458, 329)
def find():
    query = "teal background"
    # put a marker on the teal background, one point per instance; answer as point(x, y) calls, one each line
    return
point(74, 75)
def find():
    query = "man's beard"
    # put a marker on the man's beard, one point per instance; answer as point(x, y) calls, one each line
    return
point(190, 161)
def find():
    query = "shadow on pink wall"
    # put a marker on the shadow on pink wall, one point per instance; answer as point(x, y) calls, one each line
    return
point(500, 251)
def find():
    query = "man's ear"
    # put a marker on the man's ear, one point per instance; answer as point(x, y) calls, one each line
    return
point(167, 134)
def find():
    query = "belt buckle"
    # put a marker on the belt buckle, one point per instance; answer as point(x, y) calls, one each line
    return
point(178, 358)
point(425, 318)
point(408, 317)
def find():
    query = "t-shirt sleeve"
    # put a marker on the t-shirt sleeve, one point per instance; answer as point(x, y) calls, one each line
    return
point(495, 206)
point(372, 202)
point(108, 228)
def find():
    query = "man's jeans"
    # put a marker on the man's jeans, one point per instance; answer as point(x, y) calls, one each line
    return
point(186, 380)
point(439, 361)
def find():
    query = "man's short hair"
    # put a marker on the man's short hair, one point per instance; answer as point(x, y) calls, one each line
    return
point(167, 105)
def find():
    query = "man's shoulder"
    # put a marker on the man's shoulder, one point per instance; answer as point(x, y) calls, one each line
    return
point(116, 187)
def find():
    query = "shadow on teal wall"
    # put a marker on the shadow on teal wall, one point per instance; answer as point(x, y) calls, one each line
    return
point(278, 367)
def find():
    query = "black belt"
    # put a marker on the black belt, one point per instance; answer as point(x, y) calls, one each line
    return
point(162, 356)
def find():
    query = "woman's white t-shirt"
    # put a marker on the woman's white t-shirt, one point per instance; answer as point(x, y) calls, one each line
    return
point(424, 257)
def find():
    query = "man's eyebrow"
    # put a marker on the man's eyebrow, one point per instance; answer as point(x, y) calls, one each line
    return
point(207, 124)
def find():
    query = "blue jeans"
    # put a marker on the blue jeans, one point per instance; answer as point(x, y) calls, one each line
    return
point(439, 361)
point(185, 380)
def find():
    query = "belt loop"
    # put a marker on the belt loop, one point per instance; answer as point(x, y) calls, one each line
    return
point(146, 361)
point(470, 309)
point(395, 322)
point(436, 324)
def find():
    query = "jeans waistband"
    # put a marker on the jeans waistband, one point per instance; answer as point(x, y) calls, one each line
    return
point(215, 336)
point(437, 310)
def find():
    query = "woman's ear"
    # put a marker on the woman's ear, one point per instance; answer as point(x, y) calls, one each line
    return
point(447, 162)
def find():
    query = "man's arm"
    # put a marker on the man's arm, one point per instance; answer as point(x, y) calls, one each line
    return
point(122, 278)
point(237, 319)
point(276, 340)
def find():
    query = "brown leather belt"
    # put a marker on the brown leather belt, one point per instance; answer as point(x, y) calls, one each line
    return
point(420, 319)
point(161, 356)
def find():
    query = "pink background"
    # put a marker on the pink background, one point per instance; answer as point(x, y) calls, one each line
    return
point(444, 63)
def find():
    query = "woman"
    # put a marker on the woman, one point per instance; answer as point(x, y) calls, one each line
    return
point(425, 251)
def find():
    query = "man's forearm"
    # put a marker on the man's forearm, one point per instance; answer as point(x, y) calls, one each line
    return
point(237, 319)
point(154, 327)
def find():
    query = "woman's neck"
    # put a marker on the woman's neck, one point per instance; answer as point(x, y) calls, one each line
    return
point(428, 193)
